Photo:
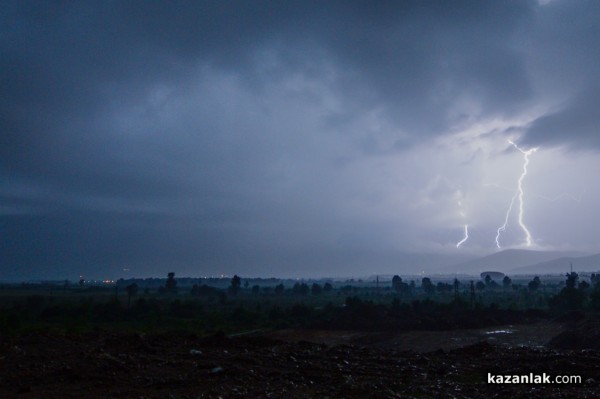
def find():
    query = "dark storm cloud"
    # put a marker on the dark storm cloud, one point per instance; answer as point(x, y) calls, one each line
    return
point(575, 125)
point(72, 59)
point(203, 132)
point(564, 53)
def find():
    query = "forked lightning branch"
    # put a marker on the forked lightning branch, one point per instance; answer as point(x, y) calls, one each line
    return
point(518, 196)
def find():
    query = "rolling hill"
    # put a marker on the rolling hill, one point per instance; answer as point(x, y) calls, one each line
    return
point(511, 260)
point(589, 263)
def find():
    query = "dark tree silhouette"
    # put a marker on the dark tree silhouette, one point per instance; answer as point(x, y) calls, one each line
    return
point(236, 282)
point(304, 290)
point(427, 286)
point(397, 283)
point(571, 280)
point(443, 287)
point(255, 289)
point(534, 284)
point(316, 289)
point(569, 298)
point(279, 288)
point(328, 287)
point(300, 289)
point(456, 285)
point(487, 279)
point(472, 291)
point(131, 289)
point(171, 284)
point(506, 282)
point(595, 296)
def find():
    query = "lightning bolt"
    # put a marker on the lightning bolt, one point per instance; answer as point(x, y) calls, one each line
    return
point(518, 194)
point(463, 215)
point(503, 227)
point(526, 154)
point(464, 239)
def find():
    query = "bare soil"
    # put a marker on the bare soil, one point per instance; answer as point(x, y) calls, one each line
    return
point(275, 365)
point(533, 335)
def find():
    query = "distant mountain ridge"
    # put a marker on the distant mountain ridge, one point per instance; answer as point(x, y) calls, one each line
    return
point(512, 261)
point(590, 263)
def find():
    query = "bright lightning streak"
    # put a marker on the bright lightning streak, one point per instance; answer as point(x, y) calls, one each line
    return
point(463, 215)
point(520, 190)
point(464, 239)
point(503, 227)
point(519, 194)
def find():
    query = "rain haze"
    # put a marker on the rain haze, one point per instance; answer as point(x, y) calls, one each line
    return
point(293, 138)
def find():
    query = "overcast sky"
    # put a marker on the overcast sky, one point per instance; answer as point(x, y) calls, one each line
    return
point(292, 138)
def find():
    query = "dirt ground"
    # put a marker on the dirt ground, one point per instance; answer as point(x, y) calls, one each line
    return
point(532, 335)
point(128, 365)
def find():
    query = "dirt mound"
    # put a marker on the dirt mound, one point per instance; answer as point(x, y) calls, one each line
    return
point(583, 333)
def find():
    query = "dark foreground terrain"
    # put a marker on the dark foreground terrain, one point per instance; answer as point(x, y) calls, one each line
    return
point(128, 365)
